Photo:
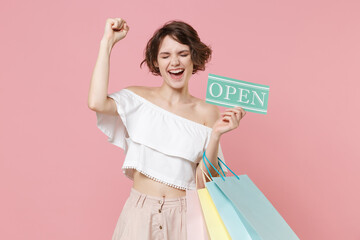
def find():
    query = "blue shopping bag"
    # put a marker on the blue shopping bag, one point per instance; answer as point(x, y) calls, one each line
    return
point(227, 213)
point(244, 209)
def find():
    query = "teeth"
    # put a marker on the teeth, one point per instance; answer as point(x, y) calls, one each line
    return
point(176, 71)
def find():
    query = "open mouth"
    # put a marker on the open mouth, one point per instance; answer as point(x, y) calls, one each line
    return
point(176, 74)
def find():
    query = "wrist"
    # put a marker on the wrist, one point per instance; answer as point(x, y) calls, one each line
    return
point(105, 40)
point(215, 135)
point(107, 44)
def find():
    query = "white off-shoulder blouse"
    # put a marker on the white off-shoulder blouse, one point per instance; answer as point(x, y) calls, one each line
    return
point(160, 144)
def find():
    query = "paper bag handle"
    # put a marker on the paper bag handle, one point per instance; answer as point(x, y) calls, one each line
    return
point(203, 173)
point(204, 155)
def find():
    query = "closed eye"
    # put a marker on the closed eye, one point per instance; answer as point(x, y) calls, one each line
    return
point(183, 55)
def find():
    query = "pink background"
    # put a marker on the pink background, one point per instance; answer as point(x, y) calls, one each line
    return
point(61, 179)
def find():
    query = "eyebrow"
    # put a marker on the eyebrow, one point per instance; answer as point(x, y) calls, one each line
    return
point(182, 51)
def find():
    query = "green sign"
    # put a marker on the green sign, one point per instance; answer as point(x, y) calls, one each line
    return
point(229, 92)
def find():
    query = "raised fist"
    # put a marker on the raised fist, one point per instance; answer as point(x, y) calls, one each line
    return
point(115, 29)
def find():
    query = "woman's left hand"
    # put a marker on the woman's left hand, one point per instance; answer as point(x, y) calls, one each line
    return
point(228, 120)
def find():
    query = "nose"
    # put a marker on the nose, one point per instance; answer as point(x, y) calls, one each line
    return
point(175, 61)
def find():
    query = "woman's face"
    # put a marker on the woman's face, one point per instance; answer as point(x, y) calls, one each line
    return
point(174, 62)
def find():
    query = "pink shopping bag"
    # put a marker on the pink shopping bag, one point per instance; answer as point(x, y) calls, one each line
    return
point(195, 222)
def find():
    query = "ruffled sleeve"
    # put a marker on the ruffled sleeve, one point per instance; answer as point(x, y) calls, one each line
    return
point(141, 122)
point(115, 126)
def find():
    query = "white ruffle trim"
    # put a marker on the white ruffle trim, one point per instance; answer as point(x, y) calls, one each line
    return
point(155, 179)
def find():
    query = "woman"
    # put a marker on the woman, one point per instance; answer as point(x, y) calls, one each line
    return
point(163, 130)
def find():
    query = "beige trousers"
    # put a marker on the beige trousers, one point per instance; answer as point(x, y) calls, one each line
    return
point(146, 217)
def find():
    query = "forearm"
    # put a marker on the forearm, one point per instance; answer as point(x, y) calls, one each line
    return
point(212, 153)
point(100, 77)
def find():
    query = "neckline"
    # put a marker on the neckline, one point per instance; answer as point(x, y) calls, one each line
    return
point(166, 111)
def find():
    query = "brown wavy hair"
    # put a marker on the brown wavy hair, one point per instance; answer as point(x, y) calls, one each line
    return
point(184, 34)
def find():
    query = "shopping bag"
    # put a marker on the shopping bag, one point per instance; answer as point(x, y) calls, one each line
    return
point(215, 226)
point(195, 223)
point(251, 209)
point(231, 217)
point(233, 220)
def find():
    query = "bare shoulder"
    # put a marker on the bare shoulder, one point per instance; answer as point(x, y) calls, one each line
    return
point(136, 89)
point(210, 112)
point(142, 91)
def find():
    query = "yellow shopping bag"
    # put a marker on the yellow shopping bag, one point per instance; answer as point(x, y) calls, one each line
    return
point(215, 226)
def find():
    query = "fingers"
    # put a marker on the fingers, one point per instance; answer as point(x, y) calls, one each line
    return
point(118, 24)
point(126, 27)
point(233, 122)
point(234, 112)
point(237, 111)
point(233, 116)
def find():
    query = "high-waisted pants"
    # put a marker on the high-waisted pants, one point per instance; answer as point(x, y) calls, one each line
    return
point(147, 217)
